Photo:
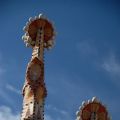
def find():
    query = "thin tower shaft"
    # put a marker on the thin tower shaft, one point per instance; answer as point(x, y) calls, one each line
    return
point(39, 35)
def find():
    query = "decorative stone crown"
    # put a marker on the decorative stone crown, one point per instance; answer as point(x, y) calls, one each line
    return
point(39, 23)
point(92, 110)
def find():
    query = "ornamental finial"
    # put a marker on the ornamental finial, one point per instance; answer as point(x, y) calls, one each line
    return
point(33, 26)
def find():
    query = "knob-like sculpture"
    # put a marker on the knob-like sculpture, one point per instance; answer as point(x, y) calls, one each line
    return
point(92, 110)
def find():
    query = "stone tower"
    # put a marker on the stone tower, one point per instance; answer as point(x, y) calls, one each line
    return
point(92, 110)
point(39, 34)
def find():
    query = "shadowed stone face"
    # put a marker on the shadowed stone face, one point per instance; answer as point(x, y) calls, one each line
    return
point(35, 72)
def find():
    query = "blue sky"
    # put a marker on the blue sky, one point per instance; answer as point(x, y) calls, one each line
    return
point(85, 61)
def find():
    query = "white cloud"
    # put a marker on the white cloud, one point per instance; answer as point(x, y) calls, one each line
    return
point(86, 47)
point(13, 89)
point(111, 65)
point(50, 107)
point(48, 117)
point(6, 97)
point(60, 113)
point(6, 114)
point(1, 71)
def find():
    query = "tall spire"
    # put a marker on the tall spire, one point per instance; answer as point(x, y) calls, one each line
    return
point(39, 34)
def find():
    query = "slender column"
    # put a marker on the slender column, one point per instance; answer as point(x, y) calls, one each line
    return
point(38, 49)
point(38, 35)
point(33, 105)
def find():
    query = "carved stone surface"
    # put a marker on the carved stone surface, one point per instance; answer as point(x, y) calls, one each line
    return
point(31, 29)
point(39, 34)
point(35, 72)
point(34, 91)
point(92, 110)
